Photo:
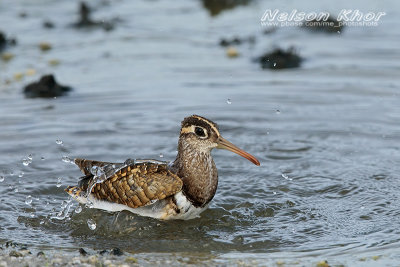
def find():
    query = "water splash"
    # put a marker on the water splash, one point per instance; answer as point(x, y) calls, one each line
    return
point(91, 224)
point(64, 212)
point(21, 174)
point(26, 162)
point(59, 142)
point(66, 159)
point(2, 178)
point(28, 200)
point(78, 209)
point(284, 175)
point(228, 101)
point(278, 111)
point(161, 155)
point(59, 182)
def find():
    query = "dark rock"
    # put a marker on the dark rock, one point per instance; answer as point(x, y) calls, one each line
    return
point(48, 24)
point(23, 14)
point(280, 59)
point(46, 87)
point(4, 41)
point(331, 25)
point(104, 251)
point(86, 22)
point(270, 30)
point(117, 252)
point(14, 253)
point(82, 252)
point(215, 7)
point(237, 41)
point(40, 254)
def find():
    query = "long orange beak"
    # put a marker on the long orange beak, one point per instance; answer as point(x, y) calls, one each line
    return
point(225, 144)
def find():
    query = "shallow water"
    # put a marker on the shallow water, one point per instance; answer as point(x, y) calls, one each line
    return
point(327, 134)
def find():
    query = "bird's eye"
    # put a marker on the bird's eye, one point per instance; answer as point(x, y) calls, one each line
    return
point(199, 131)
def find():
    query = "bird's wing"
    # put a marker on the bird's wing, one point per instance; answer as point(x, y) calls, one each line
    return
point(86, 165)
point(135, 185)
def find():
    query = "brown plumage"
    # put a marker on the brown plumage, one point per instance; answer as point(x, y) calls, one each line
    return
point(142, 183)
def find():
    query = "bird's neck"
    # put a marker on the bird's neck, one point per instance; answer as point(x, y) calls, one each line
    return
point(198, 173)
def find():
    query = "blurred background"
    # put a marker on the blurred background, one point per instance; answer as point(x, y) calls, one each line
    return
point(111, 80)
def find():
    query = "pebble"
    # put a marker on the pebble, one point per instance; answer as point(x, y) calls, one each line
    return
point(14, 253)
point(44, 46)
point(117, 252)
point(7, 56)
point(232, 52)
point(82, 252)
point(322, 264)
point(46, 87)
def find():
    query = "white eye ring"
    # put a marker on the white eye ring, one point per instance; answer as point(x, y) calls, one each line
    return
point(200, 132)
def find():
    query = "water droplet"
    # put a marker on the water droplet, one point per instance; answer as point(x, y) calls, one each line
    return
point(2, 178)
point(21, 174)
point(274, 193)
point(285, 176)
point(89, 204)
point(274, 64)
point(161, 155)
point(66, 159)
point(30, 157)
point(59, 182)
point(228, 101)
point(26, 162)
point(91, 224)
point(278, 111)
point(338, 32)
point(16, 190)
point(267, 133)
point(78, 209)
point(59, 142)
point(28, 200)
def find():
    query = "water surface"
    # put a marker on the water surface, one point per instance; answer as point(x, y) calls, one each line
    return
point(327, 134)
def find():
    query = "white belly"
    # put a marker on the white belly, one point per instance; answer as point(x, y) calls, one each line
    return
point(159, 210)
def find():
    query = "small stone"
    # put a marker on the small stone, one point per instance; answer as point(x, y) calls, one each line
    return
point(25, 252)
point(131, 260)
point(104, 251)
point(44, 46)
point(76, 261)
point(107, 262)
point(82, 252)
point(30, 72)
point(54, 62)
point(7, 56)
point(14, 253)
point(18, 76)
point(232, 52)
point(48, 24)
point(56, 261)
point(93, 259)
point(117, 252)
point(323, 264)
